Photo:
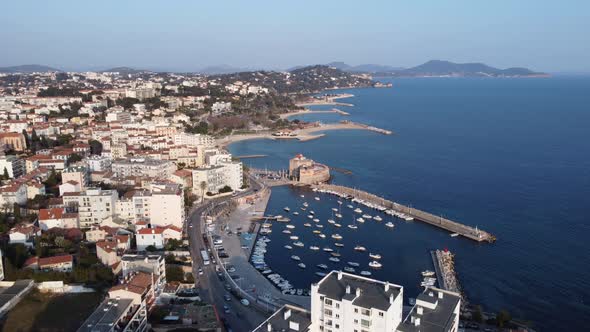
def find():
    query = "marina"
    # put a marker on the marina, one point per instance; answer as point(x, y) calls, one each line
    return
point(405, 212)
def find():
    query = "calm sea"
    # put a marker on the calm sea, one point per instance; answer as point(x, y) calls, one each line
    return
point(511, 156)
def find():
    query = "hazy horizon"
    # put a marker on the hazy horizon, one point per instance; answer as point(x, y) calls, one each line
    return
point(190, 36)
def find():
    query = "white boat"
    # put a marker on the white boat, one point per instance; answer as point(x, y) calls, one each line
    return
point(302, 196)
point(319, 226)
point(355, 264)
point(298, 244)
point(286, 231)
point(326, 249)
point(338, 215)
point(286, 208)
point(305, 204)
point(303, 209)
point(290, 226)
point(323, 236)
point(428, 273)
point(331, 221)
point(340, 202)
point(316, 220)
point(357, 210)
point(316, 198)
point(335, 254)
point(294, 237)
point(307, 225)
point(295, 258)
point(334, 209)
point(296, 213)
point(454, 234)
point(352, 226)
point(360, 248)
point(337, 236)
point(375, 264)
point(365, 273)
point(312, 212)
point(310, 216)
point(377, 218)
point(316, 231)
point(349, 206)
point(389, 224)
point(320, 274)
point(334, 259)
point(301, 265)
point(322, 266)
point(349, 269)
point(374, 256)
point(338, 244)
point(337, 225)
point(314, 248)
point(367, 216)
point(288, 247)
point(361, 220)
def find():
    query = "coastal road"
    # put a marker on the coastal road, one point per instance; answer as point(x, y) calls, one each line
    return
point(212, 289)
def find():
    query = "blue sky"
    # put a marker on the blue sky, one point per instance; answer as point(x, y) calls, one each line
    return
point(187, 35)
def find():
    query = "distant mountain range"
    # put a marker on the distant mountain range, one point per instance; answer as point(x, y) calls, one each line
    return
point(27, 69)
point(428, 69)
point(447, 68)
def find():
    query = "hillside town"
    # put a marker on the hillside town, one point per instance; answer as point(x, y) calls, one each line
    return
point(115, 183)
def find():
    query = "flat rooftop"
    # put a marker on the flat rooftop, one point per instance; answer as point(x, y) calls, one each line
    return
point(439, 319)
point(108, 313)
point(8, 293)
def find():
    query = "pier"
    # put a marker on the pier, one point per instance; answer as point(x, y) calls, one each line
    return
point(437, 221)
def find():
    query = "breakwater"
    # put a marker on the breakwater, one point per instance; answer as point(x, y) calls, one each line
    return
point(437, 221)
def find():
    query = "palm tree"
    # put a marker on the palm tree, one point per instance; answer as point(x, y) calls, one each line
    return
point(203, 186)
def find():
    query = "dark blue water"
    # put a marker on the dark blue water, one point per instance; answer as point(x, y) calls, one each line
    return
point(511, 156)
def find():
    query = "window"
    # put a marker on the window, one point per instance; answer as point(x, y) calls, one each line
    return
point(337, 305)
point(380, 314)
point(356, 321)
point(337, 326)
point(365, 323)
point(337, 316)
point(328, 312)
point(366, 312)
point(356, 310)
point(328, 302)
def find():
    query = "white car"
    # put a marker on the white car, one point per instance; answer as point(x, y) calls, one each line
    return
point(245, 302)
point(200, 271)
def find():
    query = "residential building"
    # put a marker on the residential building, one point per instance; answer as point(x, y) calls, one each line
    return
point(93, 205)
point(146, 237)
point(98, 163)
point(24, 234)
point(435, 310)
point(13, 141)
point(57, 217)
point(347, 302)
point(115, 315)
point(145, 167)
point(14, 166)
point(287, 318)
point(77, 174)
point(61, 263)
point(193, 140)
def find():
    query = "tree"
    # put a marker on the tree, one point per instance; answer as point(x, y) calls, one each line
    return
point(95, 147)
point(478, 314)
point(225, 189)
point(503, 318)
point(203, 186)
point(151, 248)
point(5, 176)
point(74, 158)
point(174, 273)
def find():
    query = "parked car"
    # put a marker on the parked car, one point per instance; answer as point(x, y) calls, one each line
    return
point(227, 297)
point(226, 309)
point(245, 302)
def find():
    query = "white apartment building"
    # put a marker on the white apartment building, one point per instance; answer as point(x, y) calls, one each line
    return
point(435, 310)
point(233, 170)
point(193, 140)
point(160, 205)
point(98, 163)
point(212, 176)
point(78, 174)
point(145, 167)
point(352, 303)
point(13, 165)
point(93, 205)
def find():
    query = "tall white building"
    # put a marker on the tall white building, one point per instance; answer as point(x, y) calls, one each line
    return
point(13, 165)
point(98, 163)
point(146, 167)
point(435, 310)
point(93, 205)
point(351, 303)
point(193, 140)
point(160, 205)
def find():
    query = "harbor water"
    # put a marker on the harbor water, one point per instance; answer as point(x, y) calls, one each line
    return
point(507, 155)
